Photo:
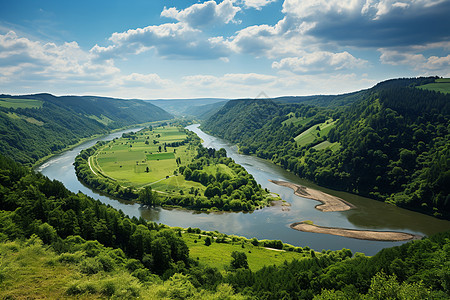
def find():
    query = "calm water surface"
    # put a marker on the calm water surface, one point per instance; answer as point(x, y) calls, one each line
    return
point(271, 222)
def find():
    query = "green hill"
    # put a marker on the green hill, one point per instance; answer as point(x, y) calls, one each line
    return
point(34, 126)
point(392, 144)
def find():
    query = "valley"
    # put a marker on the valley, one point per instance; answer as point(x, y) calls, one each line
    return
point(169, 210)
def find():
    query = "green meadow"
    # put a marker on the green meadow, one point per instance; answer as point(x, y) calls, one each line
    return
point(147, 158)
point(441, 85)
point(296, 121)
point(20, 103)
point(218, 255)
point(314, 132)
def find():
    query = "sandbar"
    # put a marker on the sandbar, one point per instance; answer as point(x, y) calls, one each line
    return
point(387, 236)
point(329, 202)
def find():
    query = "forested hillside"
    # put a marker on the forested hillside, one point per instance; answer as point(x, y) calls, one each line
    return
point(35, 126)
point(55, 243)
point(391, 145)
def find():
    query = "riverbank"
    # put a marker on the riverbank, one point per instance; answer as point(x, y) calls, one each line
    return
point(42, 160)
point(329, 202)
point(370, 235)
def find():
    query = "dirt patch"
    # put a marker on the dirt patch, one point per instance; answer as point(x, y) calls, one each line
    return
point(387, 236)
point(329, 202)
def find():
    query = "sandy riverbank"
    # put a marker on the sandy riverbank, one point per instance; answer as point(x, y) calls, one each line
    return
point(329, 202)
point(387, 236)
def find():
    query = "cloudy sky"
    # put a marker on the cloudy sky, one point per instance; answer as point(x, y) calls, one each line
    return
point(153, 49)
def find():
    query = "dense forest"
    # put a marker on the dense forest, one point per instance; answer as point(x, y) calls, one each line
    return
point(119, 257)
point(32, 132)
point(394, 142)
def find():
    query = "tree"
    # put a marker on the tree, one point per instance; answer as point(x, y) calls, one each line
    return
point(207, 241)
point(239, 260)
point(147, 196)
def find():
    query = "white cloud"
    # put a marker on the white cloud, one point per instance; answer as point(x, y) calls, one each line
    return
point(144, 80)
point(372, 8)
point(320, 61)
point(203, 14)
point(170, 40)
point(283, 39)
point(23, 58)
point(430, 65)
point(257, 4)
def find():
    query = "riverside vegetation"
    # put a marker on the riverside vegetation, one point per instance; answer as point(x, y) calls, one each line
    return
point(58, 244)
point(168, 166)
point(391, 143)
point(76, 247)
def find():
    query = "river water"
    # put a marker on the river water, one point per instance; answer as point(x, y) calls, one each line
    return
point(271, 222)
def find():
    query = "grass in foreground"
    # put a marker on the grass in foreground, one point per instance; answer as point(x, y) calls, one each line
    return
point(218, 255)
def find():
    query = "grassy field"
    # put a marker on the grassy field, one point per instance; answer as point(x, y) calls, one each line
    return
point(20, 103)
point(312, 133)
point(218, 255)
point(326, 144)
point(441, 85)
point(136, 161)
point(22, 117)
point(296, 121)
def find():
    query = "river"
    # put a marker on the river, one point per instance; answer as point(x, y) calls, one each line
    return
point(271, 222)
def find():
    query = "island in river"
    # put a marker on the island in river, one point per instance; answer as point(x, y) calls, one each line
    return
point(332, 203)
point(370, 235)
point(329, 202)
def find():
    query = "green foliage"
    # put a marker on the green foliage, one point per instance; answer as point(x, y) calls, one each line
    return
point(118, 257)
point(239, 260)
point(392, 144)
point(36, 126)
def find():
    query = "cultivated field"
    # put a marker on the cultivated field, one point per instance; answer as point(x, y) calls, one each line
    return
point(146, 158)
point(20, 103)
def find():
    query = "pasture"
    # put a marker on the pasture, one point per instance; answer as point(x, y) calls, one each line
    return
point(441, 85)
point(314, 132)
point(218, 255)
point(20, 103)
point(147, 158)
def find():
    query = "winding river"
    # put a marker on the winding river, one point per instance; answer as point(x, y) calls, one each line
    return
point(271, 222)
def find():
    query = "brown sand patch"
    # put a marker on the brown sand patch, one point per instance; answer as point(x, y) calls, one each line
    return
point(388, 236)
point(329, 202)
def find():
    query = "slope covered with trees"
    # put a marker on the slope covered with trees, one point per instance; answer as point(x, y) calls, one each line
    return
point(394, 142)
point(33, 132)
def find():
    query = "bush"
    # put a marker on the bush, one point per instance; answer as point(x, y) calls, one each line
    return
point(90, 265)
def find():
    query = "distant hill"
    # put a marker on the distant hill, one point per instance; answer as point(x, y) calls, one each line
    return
point(190, 107)
point(34, 126)
point(392, 143)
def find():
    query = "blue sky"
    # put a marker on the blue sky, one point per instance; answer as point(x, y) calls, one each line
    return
point(233, 48)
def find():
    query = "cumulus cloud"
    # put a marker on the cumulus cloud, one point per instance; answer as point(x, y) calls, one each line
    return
point(257, 4)
point(430, 65)
point(204, 14)
point(22, 57)
point(170, 40)
point(373, 23)
point(283, 39)
point(320, 61)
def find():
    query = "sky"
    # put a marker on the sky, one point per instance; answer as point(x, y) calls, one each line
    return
point(162, 49)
